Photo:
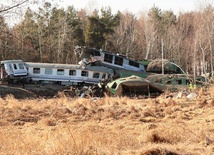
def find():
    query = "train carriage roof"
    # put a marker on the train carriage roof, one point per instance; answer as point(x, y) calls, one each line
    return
point(52, 65)
point(169, 67)
point(11, 61)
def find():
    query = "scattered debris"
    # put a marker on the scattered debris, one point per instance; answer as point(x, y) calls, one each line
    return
point(191, 96)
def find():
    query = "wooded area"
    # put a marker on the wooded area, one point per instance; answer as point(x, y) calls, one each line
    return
point(51, 33)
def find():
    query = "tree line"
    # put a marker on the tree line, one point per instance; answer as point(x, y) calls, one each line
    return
point(51, 33)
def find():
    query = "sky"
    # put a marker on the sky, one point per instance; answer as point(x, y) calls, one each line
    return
point(134, 6)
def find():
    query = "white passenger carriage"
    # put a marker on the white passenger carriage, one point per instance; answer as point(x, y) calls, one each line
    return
point(65, 74)
point(13, 70)
point(111, 60)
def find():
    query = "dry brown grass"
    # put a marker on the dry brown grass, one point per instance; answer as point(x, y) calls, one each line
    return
point(63, 125)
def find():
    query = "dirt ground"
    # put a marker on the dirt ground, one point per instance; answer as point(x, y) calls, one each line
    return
point(30, 90)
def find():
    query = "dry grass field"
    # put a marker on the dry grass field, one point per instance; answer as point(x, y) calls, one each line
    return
point(107, 126)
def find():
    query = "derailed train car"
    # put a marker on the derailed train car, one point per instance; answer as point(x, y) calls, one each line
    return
point(13, 71)
point(111, 60)
point(175, 82)
point(156, 66)
point(17, 71)
point(125, 67)
point(67, 74)
point(134, 86)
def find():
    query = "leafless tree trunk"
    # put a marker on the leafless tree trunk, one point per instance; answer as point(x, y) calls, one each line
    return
point(150, 33)
point(61, 40)
point(211, 58)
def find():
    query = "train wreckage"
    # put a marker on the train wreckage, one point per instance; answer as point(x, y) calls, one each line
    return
point(100, 72)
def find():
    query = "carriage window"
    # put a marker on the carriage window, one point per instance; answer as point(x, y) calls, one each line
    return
point(96, 53)
point(118, 61)
point(199, 81)
point(96, 75)
point(14, 66)
point(188, 81)
point(114, 85)
point(104, 76)
point(108, 58)
point(21, 66)
point(72, 72)
point(36, 70)
point(178, 70)
point(10, 66)
point(60, 71)
point(132, 63)
point(84, 73)
point(169, 82)
point(179, 81)
point(48, 71)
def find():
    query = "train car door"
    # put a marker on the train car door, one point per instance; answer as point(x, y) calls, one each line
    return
point(10, 69)
point(2, 70)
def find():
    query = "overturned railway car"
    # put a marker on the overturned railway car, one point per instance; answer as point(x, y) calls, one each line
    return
point(134, 86)
point(111, 60)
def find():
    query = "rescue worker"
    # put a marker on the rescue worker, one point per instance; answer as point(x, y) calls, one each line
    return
point(194, 86)
point(190, 86)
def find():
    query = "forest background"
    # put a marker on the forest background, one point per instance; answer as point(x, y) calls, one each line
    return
point(50, 34)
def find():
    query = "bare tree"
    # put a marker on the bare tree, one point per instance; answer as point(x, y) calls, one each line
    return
point(149, 32)
point(185, 39)
point(204, 37)
point(126, 35)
